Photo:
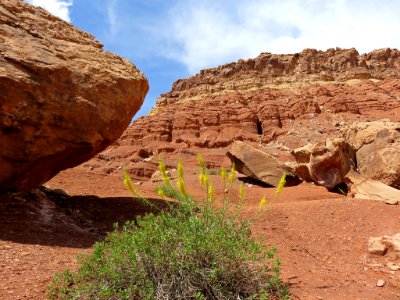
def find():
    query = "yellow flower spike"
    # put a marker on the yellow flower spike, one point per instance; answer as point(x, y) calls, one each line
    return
point(223, 174)
point(128, 183)
point(242, 191)
point(160, 192)
point(210, 192)
point(281, 185)
point(263, 201)
point(163, 170)
point(205, 179)
point(200, 160)
point(180, 170)
point(161, 166)
point(181, 186)
point(231, 176)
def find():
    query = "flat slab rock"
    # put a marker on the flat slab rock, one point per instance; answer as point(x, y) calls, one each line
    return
point(63, 98)
point(259, 165)
point(362, 187)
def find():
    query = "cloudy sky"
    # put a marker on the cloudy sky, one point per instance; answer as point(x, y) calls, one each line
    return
point(171, 39)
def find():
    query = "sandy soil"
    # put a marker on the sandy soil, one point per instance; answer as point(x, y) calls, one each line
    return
point(321, 237)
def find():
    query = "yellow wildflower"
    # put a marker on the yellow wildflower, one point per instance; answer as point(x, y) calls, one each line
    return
point(281, 185)
point(160, 192)
point(231, 177)
point(180, 170)
point(242, 191)
point(203, 178)
point(161, 166)
point(210, 192)
point(200, 160)
point(223, 174)
point(181, 186)
point(163, 170)
point(263, 201)
point(128, 183)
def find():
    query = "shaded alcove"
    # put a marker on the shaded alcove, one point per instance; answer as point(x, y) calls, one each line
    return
point(259, 126)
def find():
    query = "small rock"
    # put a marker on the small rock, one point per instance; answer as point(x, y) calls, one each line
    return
point(138, 183)
point(380, 283)
point(375, 246)
point(157, 177)
point(392, 202)
point(226, 191)
point(393, 267)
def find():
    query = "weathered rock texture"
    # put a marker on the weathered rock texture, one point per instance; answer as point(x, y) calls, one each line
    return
point(62, 98)
point(378, 150)
point(308, 66)
point(325, 163)
point(278, 102)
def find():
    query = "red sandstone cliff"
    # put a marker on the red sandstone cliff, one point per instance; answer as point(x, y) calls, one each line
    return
point(277, 101)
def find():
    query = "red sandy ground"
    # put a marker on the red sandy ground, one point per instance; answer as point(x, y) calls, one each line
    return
point(321, 237)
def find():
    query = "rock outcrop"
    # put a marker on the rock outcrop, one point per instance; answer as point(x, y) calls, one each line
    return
point(326, 163)
point(310, 65)
point(62, 97)
point(378, 150)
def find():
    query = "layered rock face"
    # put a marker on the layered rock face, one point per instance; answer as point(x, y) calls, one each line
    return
point(305, 67)
point(275, 102)
point(62, 97)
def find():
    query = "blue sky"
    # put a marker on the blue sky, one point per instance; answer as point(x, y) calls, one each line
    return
point(172, 39)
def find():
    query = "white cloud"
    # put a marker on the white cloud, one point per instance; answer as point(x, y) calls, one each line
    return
point(112, 17)
point(59, 8)
point(207, 33)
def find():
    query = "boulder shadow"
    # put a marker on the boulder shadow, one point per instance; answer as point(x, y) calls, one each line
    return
point(290, 181)
point(47, 217)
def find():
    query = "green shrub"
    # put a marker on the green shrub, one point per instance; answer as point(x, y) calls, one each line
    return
point(191, 251)
point(212, 172)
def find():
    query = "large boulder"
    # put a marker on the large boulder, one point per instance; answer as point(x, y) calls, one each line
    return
point(259, 165)
point(62, 97)
point(378, 150)
point(325, 163)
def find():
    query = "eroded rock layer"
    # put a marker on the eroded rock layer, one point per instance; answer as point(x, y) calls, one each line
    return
point(277, 102)
point(62, 97)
